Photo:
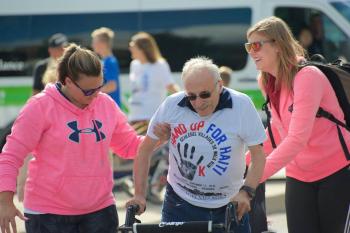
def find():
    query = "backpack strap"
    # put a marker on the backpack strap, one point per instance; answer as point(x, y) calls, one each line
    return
point(323, 113)
point(268, 115)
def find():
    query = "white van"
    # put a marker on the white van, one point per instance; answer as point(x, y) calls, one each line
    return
point(182, 28)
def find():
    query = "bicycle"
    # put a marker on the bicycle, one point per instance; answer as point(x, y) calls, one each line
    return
point(133, 225)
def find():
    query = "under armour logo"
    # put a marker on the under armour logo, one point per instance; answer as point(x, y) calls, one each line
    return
point(95, 130)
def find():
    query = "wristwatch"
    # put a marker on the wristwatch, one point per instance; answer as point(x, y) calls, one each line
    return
point(249, 190)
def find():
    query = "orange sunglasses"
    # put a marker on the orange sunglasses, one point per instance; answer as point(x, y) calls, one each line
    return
point(256, 46)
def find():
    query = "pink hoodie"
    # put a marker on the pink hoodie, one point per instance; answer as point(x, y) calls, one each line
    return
point(307, 146)
point(70, 173)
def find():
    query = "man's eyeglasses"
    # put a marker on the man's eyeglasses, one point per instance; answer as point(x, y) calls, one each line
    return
point(202, 95)
point(256, 46)
point(88, 92)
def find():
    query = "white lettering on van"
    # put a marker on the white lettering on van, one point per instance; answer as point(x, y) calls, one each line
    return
point(11, 65)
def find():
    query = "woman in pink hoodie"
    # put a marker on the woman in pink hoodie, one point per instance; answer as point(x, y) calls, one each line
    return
point(318, 175)
point(317, 170)
point(69, 128)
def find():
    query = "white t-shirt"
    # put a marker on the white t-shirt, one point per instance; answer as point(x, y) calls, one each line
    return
point(206, 154)
point(148, 88)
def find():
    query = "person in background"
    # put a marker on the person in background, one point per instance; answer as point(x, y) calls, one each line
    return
point(56, 44)
point(317, 32)
point(102, 44)
point(322, 42)
point(305, 38)
point(150, 77)
point(210, 129)
point(225, 74)
point(317, 170)
point(151, 81)
point(69, 127)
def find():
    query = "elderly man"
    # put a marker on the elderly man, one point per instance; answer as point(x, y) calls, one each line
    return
point(210, 127)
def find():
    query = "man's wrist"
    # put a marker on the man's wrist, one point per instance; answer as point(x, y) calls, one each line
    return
point(249, 190)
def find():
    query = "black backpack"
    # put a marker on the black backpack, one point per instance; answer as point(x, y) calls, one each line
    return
point(338, 74)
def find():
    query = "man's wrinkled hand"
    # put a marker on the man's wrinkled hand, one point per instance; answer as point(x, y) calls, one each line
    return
point(137, 200)
point(243, 203)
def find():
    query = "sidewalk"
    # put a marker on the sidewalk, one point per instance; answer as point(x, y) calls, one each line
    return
point(274, 203)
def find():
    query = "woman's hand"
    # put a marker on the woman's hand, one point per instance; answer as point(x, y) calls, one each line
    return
point(8, 213)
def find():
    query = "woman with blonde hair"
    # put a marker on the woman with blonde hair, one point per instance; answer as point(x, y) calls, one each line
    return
point(150, 77)
point(318, 175)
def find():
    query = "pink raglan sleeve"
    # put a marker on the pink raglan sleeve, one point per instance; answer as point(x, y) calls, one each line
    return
point(25, 135)
point(125, 140)
point(308, 91)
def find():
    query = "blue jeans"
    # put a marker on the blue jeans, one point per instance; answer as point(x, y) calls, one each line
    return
point(175, 209)
point(102, 221)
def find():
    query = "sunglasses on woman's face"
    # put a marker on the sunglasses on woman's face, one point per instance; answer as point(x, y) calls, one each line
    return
point(88, 92)
point(202, 95)
point(256, 46)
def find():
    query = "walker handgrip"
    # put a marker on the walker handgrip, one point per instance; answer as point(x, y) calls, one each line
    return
point(231, 216)
point(130, 215)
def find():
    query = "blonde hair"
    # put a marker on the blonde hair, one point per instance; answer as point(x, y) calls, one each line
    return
point(104, 34)
point(77, 60)
point(225, 74)
point(50, 75)
point(289, 49)
point(148, 45)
